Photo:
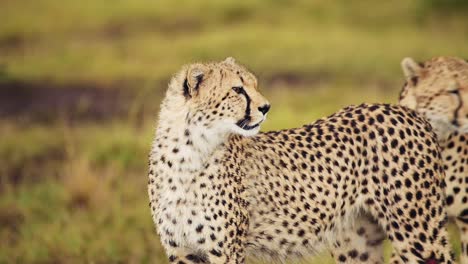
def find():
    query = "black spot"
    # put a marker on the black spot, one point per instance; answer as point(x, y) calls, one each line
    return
point(418, 246)
point(342, 258)
point(215, 252)
point(197, 258)
point(449, 200)
point(399, 236)
point(380, 118)
point(353, 253)
point(213, 237)
point(301, 233)
point(172, 243)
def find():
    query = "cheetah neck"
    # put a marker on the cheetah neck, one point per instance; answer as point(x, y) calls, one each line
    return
point(181, 159)
point(181, 142)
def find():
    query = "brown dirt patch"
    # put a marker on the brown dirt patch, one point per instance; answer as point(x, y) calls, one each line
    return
point(12, 42)
point(45, 102)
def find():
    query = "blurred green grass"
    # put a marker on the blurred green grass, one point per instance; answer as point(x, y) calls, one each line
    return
point(74, 191)
point(109, 40)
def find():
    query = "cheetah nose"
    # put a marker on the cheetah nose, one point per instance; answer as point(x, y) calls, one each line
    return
point(264, 109)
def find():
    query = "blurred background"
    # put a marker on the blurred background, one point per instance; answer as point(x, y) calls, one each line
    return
point(81, 83)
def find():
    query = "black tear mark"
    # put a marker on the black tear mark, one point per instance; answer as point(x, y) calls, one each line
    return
point(244, 121)
point(247, 97)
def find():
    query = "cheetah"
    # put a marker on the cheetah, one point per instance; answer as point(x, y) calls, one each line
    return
point(438, 89)
point(220, 191)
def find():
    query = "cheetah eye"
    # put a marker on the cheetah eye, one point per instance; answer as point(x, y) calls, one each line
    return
point(238, 89)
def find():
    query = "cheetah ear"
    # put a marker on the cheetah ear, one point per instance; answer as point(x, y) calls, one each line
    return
point(411, 68)
point(195, 76)
point(230, 60)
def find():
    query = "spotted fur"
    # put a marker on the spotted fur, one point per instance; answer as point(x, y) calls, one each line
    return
point(438, 89)
point(441, 94)
point(219, 191)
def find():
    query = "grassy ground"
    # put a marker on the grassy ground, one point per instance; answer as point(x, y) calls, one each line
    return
point(80, 84)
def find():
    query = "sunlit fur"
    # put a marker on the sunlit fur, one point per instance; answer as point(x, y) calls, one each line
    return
point(219, 191)
point(438, 88)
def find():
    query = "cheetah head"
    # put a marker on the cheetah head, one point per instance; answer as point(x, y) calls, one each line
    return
point(438, 89)
point(221, 97)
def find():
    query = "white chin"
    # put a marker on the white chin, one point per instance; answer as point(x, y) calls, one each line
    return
point(245, 133)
